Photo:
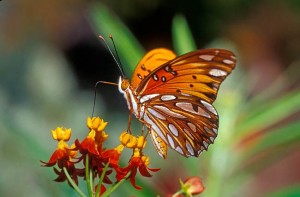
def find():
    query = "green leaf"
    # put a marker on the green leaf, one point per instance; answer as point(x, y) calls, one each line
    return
point(105, 22)
point(269, 113)
point(182, 36)
point(285, 136)
point(263, 152)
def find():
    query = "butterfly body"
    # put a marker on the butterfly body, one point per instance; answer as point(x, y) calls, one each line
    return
point(173, 97)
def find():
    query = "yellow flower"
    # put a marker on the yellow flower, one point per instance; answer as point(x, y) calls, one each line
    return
point(93, 142)
point(145, 160)
point(128, 140)
point(96, 123)
point(61, 133)
point(141, 142)
point(100, 137)
point(71, 152)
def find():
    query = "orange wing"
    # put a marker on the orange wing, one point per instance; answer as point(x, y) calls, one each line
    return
point(197, 73)
point(151, 61)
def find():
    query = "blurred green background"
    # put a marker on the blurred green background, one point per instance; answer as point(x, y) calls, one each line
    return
point(50, 59)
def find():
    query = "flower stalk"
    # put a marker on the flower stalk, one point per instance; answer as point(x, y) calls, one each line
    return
point(80, 193)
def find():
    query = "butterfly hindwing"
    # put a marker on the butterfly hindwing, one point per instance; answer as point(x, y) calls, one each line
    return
point(159, 144)
point(186, 123)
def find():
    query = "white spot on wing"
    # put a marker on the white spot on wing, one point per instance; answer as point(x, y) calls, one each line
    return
point(168, 97)
point(217, 72)
point(184, 94)
point(171, 141)
point(207, 129)
point(206, 57)
point(189, 108)
point(168, 111)
point(189, 148)
point(212, 139)
point(154, 127)
point(205, 144)
point(178, 149)
point(148, 97)
point(226, 61)
point(156, 114)
point(215, 131)
point(188, 133)
point(192, 126)
point(209, 107)
point(160, 154)
point(173, 129)
point(199, 152)
point(142, 111)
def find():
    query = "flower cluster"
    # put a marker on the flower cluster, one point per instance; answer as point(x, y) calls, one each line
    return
point(98, 162)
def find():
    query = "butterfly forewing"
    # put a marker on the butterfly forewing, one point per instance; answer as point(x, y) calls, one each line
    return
point(197, 73)
point(152, 60)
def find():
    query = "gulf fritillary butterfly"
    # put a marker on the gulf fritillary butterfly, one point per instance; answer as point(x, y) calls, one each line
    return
point(173, 97)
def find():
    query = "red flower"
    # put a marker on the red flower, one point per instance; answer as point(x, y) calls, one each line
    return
point(113, 156)
point(96, 159)
point(63, 156)
point(93, 142)
point(92, 146)
point(137, 162)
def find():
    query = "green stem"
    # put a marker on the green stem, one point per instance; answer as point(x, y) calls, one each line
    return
point(101, 179)
point(114, 187)
point(177, 193)
point(73, 183)
point(87, 176)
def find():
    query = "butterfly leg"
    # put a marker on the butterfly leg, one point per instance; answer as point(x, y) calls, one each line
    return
point(149, 127)
point(129, 123)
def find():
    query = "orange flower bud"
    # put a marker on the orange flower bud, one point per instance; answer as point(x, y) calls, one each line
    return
point(141, 142)
point(128, 140)
point(193, 185)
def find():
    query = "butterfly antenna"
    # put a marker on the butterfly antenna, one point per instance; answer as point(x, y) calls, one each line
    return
point(117, 60)
point(95, 95)
point(116, 51)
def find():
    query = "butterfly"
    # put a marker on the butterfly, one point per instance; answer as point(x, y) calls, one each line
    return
point(173, 97)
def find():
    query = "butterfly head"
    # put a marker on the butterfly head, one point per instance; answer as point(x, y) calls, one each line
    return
point(123, 84)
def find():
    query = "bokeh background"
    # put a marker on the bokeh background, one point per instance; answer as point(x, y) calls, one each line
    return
point(50, 59)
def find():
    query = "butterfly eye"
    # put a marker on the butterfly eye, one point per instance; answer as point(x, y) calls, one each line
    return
point(124, 84)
